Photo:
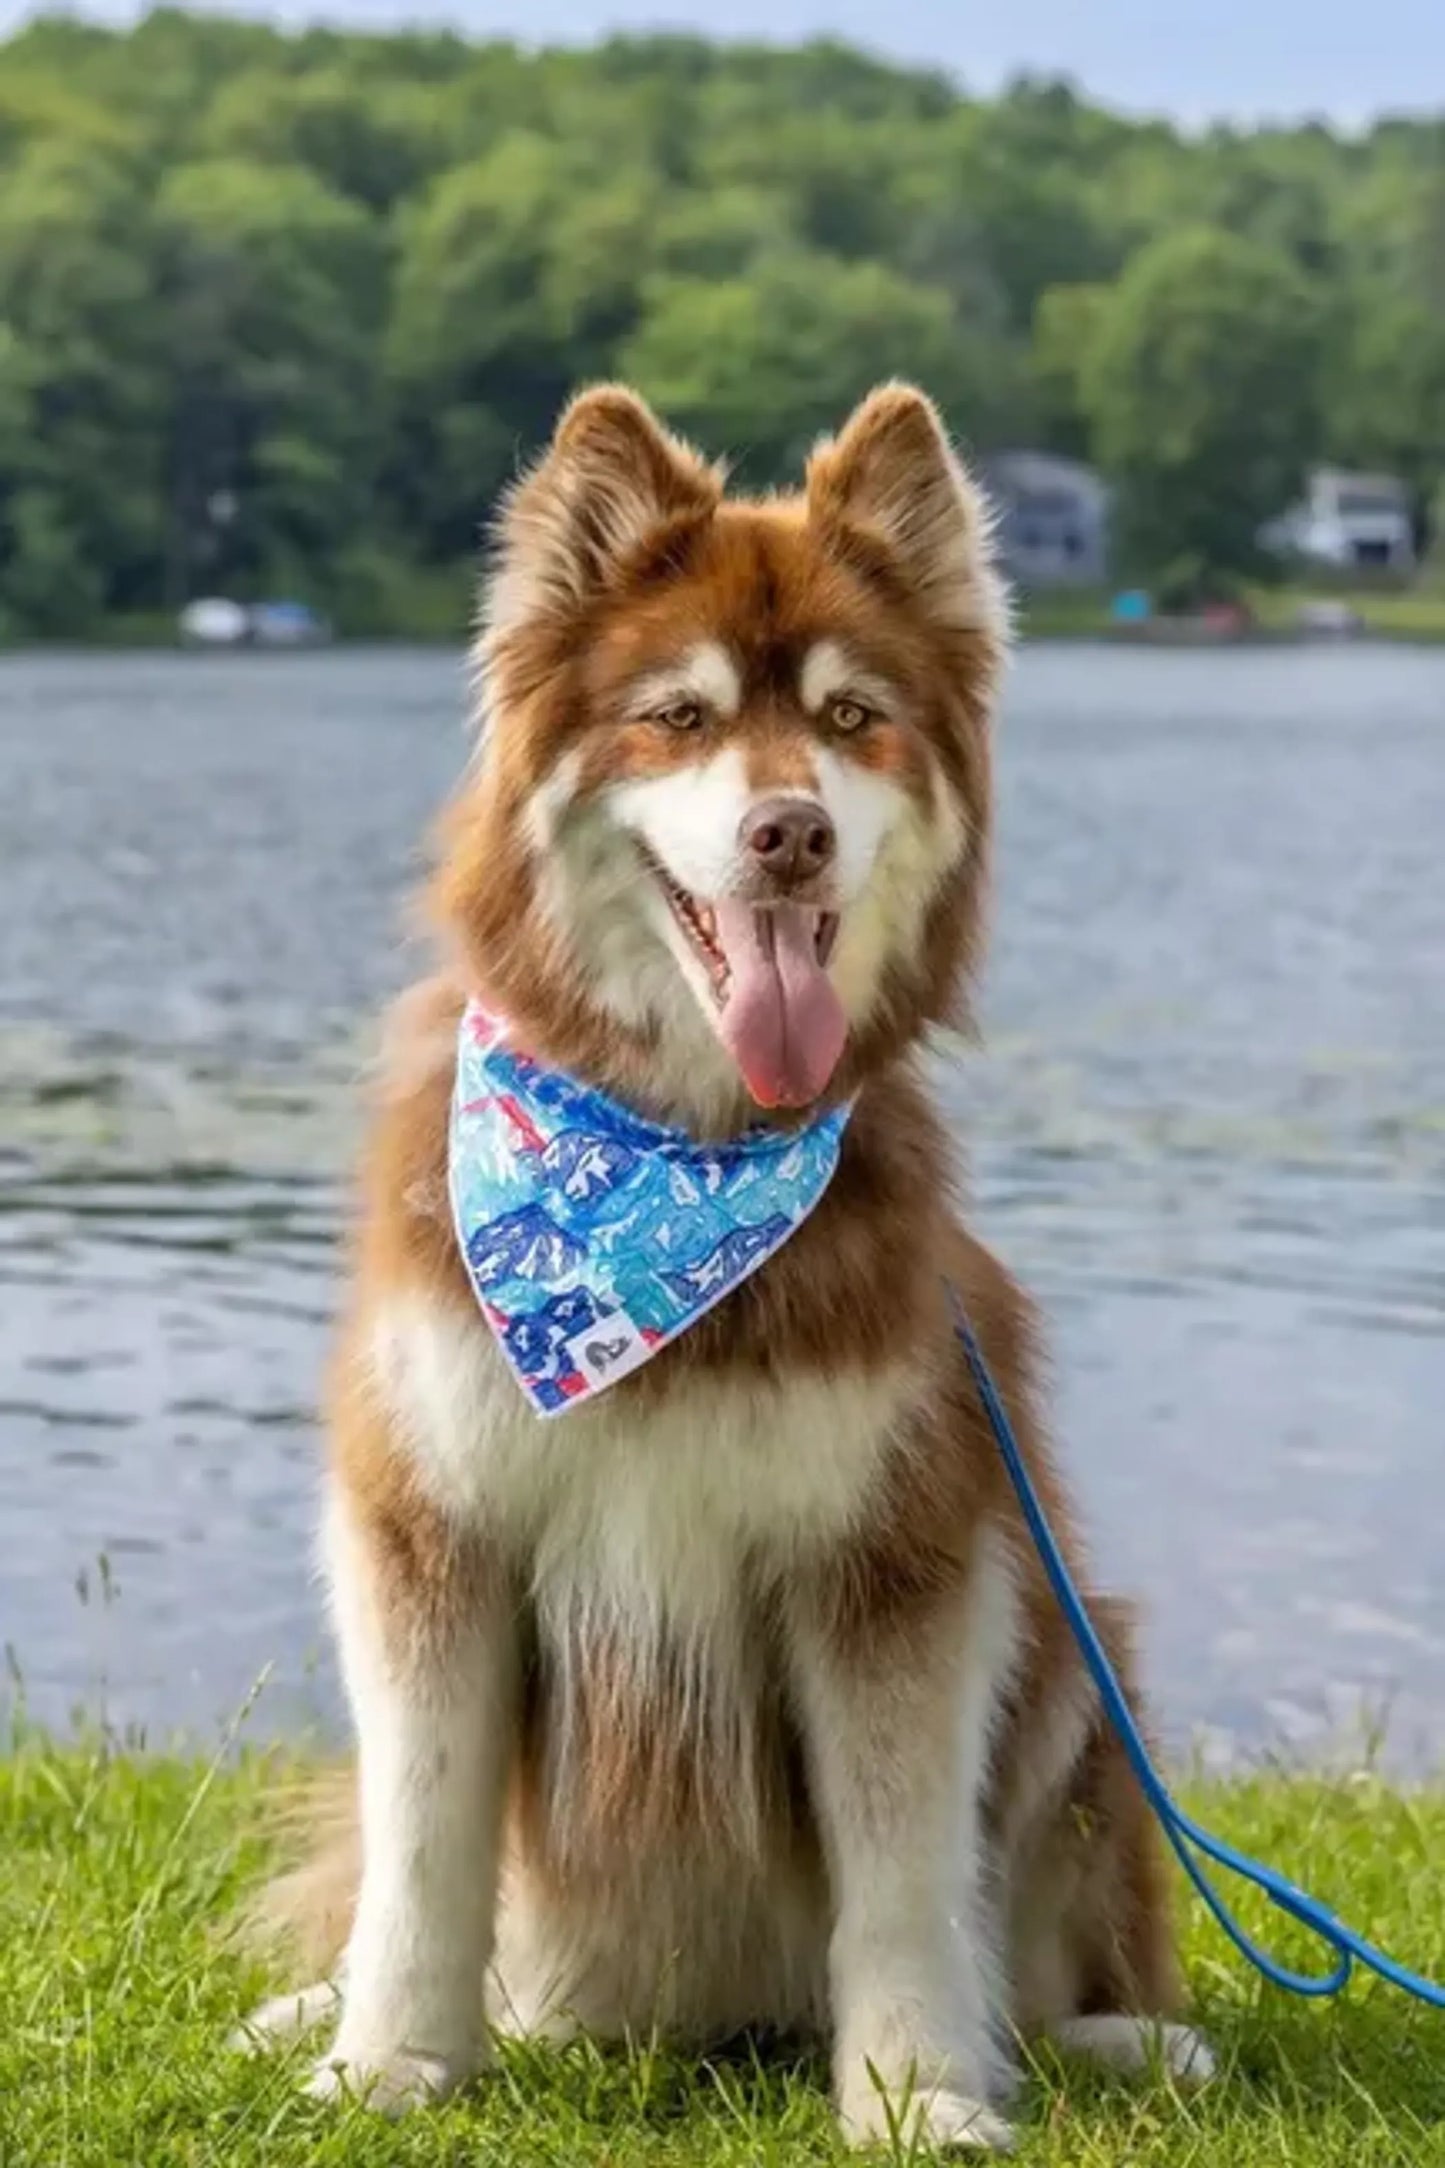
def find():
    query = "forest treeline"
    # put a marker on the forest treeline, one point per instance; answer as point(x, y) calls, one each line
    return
point(280, 313)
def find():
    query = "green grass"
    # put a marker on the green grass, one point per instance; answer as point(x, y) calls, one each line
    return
point(116, 1996)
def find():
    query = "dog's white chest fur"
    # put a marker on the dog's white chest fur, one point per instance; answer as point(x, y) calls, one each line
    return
point(655, 1509)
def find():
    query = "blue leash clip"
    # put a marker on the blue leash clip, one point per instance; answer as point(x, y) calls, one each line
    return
point(1186, 1836)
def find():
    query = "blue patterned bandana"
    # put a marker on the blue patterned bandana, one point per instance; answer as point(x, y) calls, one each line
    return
point(593, 1237)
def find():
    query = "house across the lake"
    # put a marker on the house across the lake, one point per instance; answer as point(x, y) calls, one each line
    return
point(1053, 519)
point(1353, 522)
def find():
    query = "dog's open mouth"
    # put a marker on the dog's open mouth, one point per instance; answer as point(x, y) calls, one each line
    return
point(699, 921)
point(775, 1007)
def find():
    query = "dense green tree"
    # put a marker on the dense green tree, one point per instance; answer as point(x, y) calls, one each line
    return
point(1013, 181)
point(516, 276)
point(288, 308)
point(80, 502)
point(759, 365)
point(1385, 375)
point(1197, 383)
point(368, 141)
point(271, 294)
point(1066, 324)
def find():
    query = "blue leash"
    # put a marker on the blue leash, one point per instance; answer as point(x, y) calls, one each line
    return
point(1185, 1835)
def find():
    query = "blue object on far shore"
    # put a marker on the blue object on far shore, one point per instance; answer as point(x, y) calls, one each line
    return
point(1134, 606)
point(287, 624)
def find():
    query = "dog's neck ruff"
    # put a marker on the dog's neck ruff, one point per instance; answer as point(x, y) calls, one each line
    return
point(593, 1237)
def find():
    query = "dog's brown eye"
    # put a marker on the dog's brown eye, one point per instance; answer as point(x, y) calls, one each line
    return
point(847, 715)
point(682, 715)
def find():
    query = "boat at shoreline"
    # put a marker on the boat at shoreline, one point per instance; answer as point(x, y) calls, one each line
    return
point(216, 621)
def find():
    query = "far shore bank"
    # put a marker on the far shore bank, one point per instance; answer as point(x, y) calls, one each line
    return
point(1163, 633)
point(440, 616)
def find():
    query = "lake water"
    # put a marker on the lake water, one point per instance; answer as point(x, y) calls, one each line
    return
point(1207, 1126)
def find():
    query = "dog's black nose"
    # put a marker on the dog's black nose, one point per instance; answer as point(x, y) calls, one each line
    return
point(789, 839)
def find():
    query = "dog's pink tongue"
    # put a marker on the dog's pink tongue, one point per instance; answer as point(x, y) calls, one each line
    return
point(782, 1022)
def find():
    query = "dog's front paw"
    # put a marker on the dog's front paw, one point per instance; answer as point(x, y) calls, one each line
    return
point(952, 2122)
point(391, 2083)
point(930, 2122)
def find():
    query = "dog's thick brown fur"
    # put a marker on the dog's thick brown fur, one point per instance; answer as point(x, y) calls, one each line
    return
point(737, 1698)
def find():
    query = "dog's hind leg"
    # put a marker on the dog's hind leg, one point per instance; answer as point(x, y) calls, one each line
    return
point(1091, 1943)
point(1138, 2045)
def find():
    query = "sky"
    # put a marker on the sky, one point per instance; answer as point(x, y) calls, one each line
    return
point(1195, 60)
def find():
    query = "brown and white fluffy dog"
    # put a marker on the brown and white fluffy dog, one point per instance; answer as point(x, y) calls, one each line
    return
point(737, 1698)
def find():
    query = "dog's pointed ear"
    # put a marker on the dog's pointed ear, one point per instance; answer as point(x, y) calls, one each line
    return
point(612, 481)
point(892, 476)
